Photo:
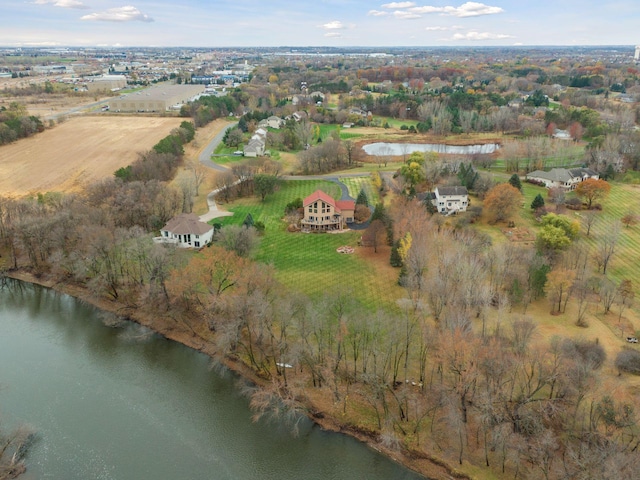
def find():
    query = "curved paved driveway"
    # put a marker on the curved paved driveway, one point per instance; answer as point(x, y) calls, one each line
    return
point(205, 155)
point(205, 159)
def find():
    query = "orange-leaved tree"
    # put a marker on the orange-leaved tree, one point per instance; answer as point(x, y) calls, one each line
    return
point(502, 202)
point(591, 190)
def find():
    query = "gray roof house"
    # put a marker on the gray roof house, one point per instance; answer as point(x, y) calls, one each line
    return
point(562, 177)
point(186, 231)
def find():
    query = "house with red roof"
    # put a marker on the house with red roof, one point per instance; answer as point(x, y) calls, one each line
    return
point(323, 213)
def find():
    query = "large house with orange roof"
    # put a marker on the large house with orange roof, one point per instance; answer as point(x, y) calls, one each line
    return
point(323, 213)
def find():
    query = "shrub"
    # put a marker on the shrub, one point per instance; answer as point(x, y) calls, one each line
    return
point(293, 206)
point(361, 213)
point(590, 353)
point(628, 361)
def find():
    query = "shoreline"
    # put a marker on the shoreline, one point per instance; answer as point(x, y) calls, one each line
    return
point(431, 467)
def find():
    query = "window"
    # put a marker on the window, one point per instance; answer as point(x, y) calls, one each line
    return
point(197, 244)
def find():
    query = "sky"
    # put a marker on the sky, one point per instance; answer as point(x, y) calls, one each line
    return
point(227, 23)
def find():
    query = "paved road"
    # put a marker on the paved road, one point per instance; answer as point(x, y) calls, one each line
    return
point(205, 155)
point(205, 159)
point(74, 110)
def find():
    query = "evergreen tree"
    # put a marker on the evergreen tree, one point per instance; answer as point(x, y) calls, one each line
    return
point(362, 198)
point(515, 182)
point(467, 175)
point(395, 259)
point(609, 173)
point(538, 202)
point(248, 221)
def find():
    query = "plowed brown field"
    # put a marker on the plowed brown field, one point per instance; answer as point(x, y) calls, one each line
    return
point(77, 153)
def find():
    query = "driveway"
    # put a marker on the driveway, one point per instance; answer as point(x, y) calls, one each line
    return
point(205, 155)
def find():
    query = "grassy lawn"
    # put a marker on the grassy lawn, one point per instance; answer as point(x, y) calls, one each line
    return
point(345, 134)
point(396, 122)
point(626, 260)
point(622, 199)
point(355, 184)
point(309, 263)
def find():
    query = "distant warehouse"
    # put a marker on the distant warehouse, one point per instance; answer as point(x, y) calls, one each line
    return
point(159, 98)
point(106, 83)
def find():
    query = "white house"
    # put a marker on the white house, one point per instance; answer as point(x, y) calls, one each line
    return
point(561, 134)
point(562, 177)
point(256, 145)
point(186, 231)
point(451, 200)
point(274, 122)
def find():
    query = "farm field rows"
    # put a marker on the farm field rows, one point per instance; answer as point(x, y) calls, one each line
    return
point(77, 153)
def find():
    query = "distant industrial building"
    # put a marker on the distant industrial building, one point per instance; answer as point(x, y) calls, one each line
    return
point(106, 83)
point(637, 55)
point(159, 98)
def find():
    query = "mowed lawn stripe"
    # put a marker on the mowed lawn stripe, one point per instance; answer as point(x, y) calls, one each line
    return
point(309, 262)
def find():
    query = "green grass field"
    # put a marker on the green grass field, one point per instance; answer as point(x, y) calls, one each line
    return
point(355, 184)
point(626, 260)
point(622, 199)
point(395, 122)
point(345, 134)
point(308, 262)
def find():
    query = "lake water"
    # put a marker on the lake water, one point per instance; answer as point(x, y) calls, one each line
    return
point(125, 404)
point(383, 148)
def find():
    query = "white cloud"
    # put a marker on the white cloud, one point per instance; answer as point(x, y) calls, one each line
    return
point(427, 9)
point(119, 14)
point(472, 9)
point(393, 5)
point(405, 15)
point(334, 25)
point(469, 9)
point(376, 13)
point(476, 36)
point(62, 3)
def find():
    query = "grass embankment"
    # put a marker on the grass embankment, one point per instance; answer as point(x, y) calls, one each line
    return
point(309, 263)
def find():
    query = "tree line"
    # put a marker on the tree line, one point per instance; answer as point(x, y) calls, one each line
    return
point(456, 368)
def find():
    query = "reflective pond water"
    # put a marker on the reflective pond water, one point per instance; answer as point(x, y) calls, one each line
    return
point(383, 148)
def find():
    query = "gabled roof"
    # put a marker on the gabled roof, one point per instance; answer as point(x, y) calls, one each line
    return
point(186, 223)
point(319, 195)
point(345, 205)
point(455, 190)
point(255, 142)
point(581, 172)
point(554, 175)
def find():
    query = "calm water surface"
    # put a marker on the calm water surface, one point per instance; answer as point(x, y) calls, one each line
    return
point(123, 404)
point(385, 148)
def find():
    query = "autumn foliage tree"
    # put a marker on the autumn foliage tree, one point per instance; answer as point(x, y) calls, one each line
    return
point(591, 190)
point(502, 202)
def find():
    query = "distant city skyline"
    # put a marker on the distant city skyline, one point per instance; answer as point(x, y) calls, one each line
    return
point(224, 23)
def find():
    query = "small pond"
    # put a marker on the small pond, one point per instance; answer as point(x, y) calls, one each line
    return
point(384, 148)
